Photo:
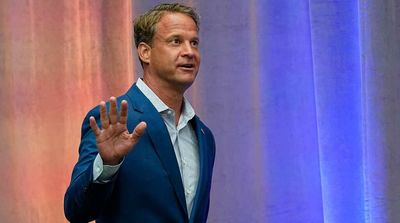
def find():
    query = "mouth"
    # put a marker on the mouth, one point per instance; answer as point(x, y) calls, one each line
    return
point(187, 66)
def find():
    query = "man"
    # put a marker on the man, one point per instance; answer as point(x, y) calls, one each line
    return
point(152, 162)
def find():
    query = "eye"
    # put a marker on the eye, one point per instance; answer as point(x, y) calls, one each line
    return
point(175, 41)
point(194, 43)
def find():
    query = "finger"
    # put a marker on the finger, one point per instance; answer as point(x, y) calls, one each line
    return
point(103, 115)
point(93, 125)
point(138, 131)
point(124, 112)
point(113, 111)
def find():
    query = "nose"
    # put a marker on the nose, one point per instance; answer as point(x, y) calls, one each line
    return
point(187, 50)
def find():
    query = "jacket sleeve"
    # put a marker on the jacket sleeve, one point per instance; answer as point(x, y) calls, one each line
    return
point(85, 200)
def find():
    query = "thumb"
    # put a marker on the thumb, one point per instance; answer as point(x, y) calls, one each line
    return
point(138, 131)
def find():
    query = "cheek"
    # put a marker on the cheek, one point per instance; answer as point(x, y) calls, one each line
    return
point(198, 58)
point(170, 57)
point(198, 55)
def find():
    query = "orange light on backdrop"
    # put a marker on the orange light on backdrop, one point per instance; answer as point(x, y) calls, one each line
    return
point(57, 60)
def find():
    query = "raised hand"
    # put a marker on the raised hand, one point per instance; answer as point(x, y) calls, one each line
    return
point(113, 138)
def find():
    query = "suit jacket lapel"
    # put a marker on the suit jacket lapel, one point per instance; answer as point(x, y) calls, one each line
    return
point(201, 186)
point(159, 135)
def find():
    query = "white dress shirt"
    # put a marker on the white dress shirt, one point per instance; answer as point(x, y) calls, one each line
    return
point(183, 139)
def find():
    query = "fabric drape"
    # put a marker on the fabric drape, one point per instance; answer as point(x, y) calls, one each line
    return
point(303, 98)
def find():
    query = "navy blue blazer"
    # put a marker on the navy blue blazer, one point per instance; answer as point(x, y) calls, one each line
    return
point(148, 186)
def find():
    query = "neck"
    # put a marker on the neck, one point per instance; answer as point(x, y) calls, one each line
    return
point(171, 96)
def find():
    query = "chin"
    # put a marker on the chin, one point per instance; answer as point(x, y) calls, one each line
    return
point(185, 83)
point(186, 77)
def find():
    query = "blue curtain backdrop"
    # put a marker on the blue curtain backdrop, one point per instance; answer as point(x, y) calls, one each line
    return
point(303, 98)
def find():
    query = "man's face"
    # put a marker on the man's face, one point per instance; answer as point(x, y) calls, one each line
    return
point(175, 56)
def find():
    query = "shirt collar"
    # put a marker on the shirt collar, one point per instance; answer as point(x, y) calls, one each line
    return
point(187, 111)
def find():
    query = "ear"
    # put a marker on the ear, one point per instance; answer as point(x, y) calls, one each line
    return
point(144, 52)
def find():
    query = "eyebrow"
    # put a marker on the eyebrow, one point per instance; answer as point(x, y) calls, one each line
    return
point(173, 36)
point(180, 36)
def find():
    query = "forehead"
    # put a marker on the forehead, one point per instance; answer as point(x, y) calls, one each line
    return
point(175, 22)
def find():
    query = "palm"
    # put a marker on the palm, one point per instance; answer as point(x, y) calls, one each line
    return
point(113, 139)
point(114, 142)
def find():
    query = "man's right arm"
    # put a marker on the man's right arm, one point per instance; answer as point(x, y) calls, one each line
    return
point(85, 198)
point(88, 193)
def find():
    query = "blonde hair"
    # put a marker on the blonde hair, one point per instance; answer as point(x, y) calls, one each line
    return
point(145, 25)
